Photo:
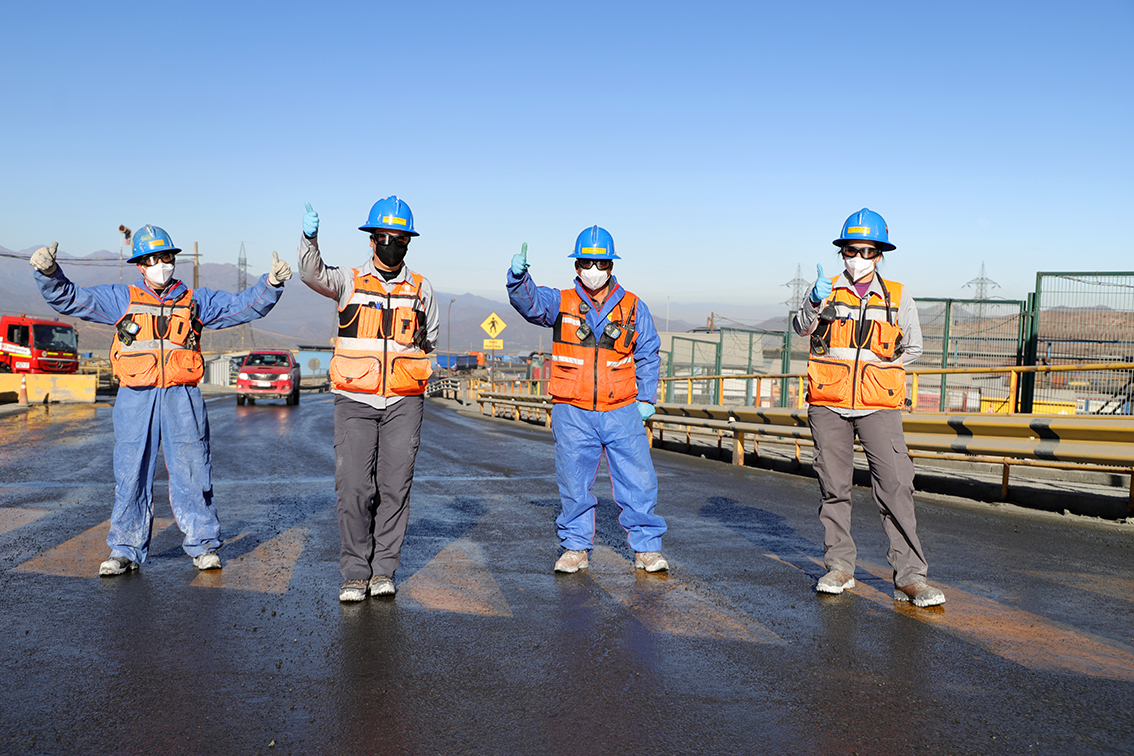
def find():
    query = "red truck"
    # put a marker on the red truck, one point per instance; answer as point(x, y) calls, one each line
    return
point(268, 375)
point(32, 345)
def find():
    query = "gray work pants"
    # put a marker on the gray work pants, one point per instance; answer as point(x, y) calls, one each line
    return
point(374, 454)
point(891, 479)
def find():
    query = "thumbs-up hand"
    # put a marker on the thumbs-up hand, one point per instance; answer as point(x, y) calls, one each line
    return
point(310, 222)
point(43, 259)
point(280, 272)
point(822, 288)
point(520, 261)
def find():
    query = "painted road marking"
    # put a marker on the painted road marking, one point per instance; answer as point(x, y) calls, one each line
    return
point(265, 569)
point(1105, 585)
point(1014, 634)
point(457, 580)
point(669, 605)
point(81, 555)
point(10, 519)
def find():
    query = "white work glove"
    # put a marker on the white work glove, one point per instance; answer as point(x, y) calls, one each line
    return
point(281, 271)
point(43, 259)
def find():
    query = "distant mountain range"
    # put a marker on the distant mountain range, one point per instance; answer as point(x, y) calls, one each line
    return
point(301, 317)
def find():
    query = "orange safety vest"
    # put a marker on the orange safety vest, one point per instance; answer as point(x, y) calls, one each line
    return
point(381, 334)
point(854, 351)
point(165, 349)
point(594, 373)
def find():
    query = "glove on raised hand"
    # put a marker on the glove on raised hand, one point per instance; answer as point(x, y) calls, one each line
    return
point(520, 261)
point(310, 222)
point(822, 288)
point(43, 259)
point(280, 272)
point(645, 410)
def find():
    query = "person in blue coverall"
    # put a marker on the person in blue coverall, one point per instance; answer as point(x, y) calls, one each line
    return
point(604, 382)
point(156, 356)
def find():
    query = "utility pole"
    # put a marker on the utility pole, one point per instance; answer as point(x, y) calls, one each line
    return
point(127, 237)
point(241, 285)
point(196, 267)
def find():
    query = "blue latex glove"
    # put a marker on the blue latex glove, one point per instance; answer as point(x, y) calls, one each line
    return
point(310, 222)
point(645, 410)
point(822, 288)
point(520, 261)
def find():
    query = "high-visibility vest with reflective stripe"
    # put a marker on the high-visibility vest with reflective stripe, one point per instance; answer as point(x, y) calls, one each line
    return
point(382, 331)
point(854, 361)
point(589, 370)
point(165, 349)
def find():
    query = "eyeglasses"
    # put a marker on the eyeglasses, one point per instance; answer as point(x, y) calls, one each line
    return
point(866, 253)
point(384, 239)
point(155, 258)
point(600, 264)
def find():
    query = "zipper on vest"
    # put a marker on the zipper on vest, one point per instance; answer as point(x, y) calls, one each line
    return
point(161, 338)
point(858, 349)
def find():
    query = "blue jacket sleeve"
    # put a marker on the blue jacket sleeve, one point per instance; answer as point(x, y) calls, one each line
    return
point(647, 360)
point(538, 305)
point(98, 304)
point(220, 309)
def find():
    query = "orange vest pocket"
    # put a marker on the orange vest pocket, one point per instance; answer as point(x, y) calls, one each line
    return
point(566, 380)
point(884, 339)
point(882, 386)
point(828, 382)
point(137, 369)
point(183, 366)
point(618, 385)
point(409, 374)
point(363, 374)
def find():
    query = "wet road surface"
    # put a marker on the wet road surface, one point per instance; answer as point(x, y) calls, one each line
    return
point(486, 651)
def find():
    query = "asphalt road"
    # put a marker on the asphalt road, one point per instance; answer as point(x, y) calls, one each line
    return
point(486, 651)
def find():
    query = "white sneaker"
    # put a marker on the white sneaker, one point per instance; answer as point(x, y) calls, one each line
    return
point(572, 561)
point(353, 590)
point(116, 566)
point(835, 581)
point(207, 561)
point(920, 593)
point(380, 585)
point(650, 561)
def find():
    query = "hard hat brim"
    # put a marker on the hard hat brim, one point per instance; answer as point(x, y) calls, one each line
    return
point(372, 229)
point(884, 246)
point(581, 256)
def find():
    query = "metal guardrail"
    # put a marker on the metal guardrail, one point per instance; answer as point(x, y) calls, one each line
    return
point(1096, 444)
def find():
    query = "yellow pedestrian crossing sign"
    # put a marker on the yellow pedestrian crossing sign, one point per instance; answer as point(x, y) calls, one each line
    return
point(493, 325)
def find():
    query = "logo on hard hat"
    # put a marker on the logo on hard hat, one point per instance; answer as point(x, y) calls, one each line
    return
point(858, 229)
point(157, 243)
point(593, 250)
point(393, 219)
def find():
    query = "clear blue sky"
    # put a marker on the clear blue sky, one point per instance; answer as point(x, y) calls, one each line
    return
point(721, 143)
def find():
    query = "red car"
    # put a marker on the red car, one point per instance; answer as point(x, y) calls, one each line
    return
point(268, 375)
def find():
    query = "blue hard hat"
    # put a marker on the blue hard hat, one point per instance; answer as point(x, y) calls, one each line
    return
point(149, 240)
point(865, 225)
point(595, 243)
point(390, 214)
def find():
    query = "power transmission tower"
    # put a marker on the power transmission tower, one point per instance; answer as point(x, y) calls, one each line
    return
point(982, 284)
point(242, 271)
point(799, 289)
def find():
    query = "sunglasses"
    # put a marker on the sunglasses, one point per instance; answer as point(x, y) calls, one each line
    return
point(600, 264)
point(866, 253)
point(384, 239)
point(155, 258)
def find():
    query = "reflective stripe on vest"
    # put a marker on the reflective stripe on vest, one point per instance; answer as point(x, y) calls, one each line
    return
point(381, 334)
point(595, 372)
point(858, 364)
point(165, 349)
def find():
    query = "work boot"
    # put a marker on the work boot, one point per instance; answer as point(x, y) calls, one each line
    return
point(116, 566)
point(380, 585)
point(572, 561)
point(207, 561)
point(650, 561)
point(920, 593)
point(353, 590)
point(835, 581)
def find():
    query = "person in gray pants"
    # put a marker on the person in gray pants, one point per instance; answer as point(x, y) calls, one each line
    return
point(388, 324)
point(863, 331)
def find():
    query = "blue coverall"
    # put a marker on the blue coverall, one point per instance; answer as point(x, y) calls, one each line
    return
point(581, 436)
point(174, 417)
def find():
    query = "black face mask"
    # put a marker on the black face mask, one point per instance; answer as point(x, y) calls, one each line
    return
point(391, 255)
